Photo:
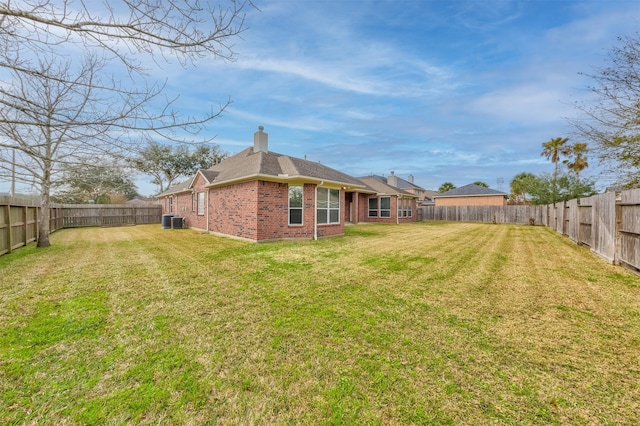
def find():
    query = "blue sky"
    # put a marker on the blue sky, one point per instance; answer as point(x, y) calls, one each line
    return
point(454, 91)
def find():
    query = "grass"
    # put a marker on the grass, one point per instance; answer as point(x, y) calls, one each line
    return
point(426, 323)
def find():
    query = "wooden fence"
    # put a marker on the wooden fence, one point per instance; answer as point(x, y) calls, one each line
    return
point(19, 219)
point(525, 215)
point(81, 215)
point(610, 226)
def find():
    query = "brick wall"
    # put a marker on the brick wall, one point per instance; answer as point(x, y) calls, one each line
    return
point(185, 205)
point(489, 200)
point(194, 220)
point(256, 210)
point(259, 211)
point(363, 213)
point(233, 210)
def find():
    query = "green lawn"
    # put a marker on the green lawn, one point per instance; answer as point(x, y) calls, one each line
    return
point(426, 323)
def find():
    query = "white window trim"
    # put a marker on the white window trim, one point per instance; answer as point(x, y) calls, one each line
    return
point(379, 208)
point(301, 208)
point(201, 212)
point(329, 208)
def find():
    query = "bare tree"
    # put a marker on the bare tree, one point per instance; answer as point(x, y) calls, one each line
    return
point(59, 105)
point(52, 123)
point(185, 30)
point(612, 121)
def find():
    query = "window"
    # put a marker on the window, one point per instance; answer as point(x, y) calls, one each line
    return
point(295, 205)
point(328, 208)
point(373, 207)
point(201, 203)
point(385, 207)
point(193, 202)
point(170, 204)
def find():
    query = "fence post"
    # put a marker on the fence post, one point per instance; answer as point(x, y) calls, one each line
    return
point(9, 239)
point(617, 252)
point(25, 215)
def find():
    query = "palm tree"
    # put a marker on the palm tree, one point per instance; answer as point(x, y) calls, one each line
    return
point(447, 186)
point(553, 150)
point(578, 151)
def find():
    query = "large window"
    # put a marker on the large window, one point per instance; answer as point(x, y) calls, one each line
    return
point(328, 208)
point(295, 205)
point(201, 203)
point(380, 207)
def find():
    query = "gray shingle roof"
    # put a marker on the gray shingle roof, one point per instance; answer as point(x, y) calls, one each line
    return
point(471, 190)
point(248, 164)
point(379, 184)
point(405, 184)
point(177, 188)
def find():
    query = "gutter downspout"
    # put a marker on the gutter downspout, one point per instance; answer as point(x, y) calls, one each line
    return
point(315, 216)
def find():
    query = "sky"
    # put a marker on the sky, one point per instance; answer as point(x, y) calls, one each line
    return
point(447, 91)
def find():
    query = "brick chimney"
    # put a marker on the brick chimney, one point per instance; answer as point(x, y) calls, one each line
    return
point(392, 180)
point(260, 140)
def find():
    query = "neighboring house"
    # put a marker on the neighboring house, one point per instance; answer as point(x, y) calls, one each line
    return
point(390, 204)
point(424, 195)
point(143, 202)
point(258, 195)
point(471, 195)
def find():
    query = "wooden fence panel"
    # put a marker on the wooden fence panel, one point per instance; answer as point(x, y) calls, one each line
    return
point(525, 215)
point(5, 230)
point(553, 217)
point(81, 215)
point(148, 215)
point(18, 226)
point(572, 220)
point(585, 225)
point(19, 222)
point(628, 237)
point(604, 225)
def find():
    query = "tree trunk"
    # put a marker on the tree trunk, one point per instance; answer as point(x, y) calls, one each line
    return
point(45, 213)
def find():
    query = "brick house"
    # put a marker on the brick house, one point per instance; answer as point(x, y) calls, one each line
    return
point(471, 195)
point(258, 195)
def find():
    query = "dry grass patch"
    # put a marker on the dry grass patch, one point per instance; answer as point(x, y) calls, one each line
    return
point(437, 323)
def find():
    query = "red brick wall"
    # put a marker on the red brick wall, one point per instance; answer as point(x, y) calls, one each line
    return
point(273, 214)
point(233, 210)
point(363, 213)
point(256, 210)
point(186, 207)
point(194, 220)
point(259, 211)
